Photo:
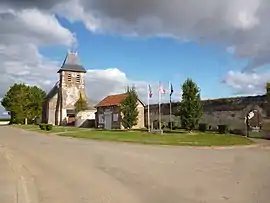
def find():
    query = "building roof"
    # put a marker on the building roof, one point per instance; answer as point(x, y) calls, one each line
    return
point(112, 100)
point(72, 63)
point(53, 91)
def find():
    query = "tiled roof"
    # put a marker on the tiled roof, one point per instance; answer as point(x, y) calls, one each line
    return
point(112, 100)
point(72, 63)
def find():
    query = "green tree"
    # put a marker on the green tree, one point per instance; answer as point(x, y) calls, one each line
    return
point(190, 107)
point(129, 109)
point(81, 104)
point(23, 102)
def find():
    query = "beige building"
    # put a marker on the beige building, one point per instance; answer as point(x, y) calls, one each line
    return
point(109, 113)
point(59, 105)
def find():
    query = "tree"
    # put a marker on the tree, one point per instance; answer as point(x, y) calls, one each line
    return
point(190, 107)
point(23, 102)
point(129, 109)
point(81, 104)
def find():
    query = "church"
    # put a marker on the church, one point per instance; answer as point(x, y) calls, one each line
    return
point(59, 104)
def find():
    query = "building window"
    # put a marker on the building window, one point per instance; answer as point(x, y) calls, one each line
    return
point(69, 77)
point(115, 117)
point(78, 78)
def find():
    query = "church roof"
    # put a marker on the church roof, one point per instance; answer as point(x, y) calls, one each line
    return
point(72, 63)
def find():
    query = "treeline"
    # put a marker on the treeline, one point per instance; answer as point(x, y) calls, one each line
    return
point(23, 102)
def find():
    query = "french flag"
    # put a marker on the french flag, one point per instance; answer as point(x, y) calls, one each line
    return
point(161, 89)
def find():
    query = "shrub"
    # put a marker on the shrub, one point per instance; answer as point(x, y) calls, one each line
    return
point(49, 127)
point(223, 129)
point(171, 123)
point(42, 126)
point(203, 127)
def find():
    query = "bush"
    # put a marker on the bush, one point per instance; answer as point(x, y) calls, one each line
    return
point(169, 124)
point(203, 127)
point(49, 127)
point(223, 129)
point(42, 126)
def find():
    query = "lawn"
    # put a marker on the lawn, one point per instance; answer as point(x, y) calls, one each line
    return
point(193, 139)
point(4, 119)
point(143, 137)
point(55, 129)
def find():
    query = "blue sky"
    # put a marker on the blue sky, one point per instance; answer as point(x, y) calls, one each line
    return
point(154, 58)
point(222, 45)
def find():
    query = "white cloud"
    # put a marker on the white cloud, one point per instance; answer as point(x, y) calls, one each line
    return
point(247, 83)
point(233, 23)
point(240, 26)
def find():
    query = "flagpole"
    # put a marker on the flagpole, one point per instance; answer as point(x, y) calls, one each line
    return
point(170, 106)
point(159, 110)
point(148, 109)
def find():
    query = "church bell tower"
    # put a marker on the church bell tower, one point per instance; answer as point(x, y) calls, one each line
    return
point(71, 86)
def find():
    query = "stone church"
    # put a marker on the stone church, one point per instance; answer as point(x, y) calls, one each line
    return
point(59, 104)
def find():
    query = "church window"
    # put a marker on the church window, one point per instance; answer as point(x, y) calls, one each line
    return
point(78, 79)
point(69, 77)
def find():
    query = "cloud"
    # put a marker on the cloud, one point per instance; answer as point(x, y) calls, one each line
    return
point(233, 23)
point(240, 26)
point(247, 83)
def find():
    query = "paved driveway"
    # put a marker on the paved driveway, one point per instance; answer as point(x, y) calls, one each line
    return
point(50, 169)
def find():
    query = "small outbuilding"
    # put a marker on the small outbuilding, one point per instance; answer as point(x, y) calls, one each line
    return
point(109, 114)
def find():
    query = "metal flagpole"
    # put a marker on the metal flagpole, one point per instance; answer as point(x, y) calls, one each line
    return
point(170, 106)
point(148, 109)
point(159, 110)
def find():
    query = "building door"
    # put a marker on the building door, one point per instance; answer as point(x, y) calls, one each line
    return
point(108, 121)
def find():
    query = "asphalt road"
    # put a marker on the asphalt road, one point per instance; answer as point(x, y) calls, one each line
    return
point(38, 168)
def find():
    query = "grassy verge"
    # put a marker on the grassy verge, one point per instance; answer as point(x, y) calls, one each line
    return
point(4, 119)
point(176, 138)
point(194, 139)
point(55, 129)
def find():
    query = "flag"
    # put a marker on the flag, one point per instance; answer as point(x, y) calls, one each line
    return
point(150, 93)
point(161, 89)
point(171, 89)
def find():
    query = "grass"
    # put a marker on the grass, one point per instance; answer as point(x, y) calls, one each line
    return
point(194, 139)
point(55, 129)
point(143, 137)
point(4, 119)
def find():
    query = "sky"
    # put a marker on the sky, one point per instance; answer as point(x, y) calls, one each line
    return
point(222, 45)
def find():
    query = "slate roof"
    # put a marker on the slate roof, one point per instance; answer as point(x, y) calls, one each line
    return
point(53, 91)
point(112, 100)
point(72, 63)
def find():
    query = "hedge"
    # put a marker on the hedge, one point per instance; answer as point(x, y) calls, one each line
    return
point(203, 127)
point(47, 127)
point(223, 129)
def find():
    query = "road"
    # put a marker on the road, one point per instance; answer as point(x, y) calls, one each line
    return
point(37, 168)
